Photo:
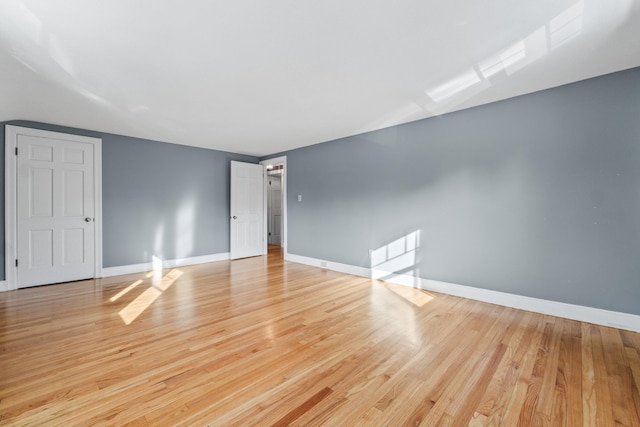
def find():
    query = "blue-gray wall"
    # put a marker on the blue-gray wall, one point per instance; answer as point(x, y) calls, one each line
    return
point(537, 195)
point(158, 199)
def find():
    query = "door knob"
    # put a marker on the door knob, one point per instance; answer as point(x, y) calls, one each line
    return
point(87, 219)
point(235, 217)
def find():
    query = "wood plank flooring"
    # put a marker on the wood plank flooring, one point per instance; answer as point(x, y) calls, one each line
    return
point(263, 342)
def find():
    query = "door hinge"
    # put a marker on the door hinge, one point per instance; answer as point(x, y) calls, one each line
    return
point(16, 151)
point(269, 182)
point(16, 263)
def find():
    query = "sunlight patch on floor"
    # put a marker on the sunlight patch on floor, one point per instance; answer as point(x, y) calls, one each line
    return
point(125, 291)
point(136, 307)
point(417, 297)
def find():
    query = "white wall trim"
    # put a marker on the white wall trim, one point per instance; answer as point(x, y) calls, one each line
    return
point(11, 138)
point(172, 263)
point(4, 286)
point(581, 313)
point(330, 265)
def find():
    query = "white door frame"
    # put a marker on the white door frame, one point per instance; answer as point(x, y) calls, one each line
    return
point(277, 161)
point(11, 181)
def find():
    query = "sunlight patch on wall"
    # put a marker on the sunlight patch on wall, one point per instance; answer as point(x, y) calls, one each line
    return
point(185, 223)
point(158, 241)
point(156, 273)
point(399, 257)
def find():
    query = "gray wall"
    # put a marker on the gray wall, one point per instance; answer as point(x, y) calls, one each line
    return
point(159, 199)
point(537, 195)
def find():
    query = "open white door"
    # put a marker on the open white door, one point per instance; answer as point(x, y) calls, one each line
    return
point(247, 210)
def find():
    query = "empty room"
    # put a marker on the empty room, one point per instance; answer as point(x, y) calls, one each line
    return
point(359, 213)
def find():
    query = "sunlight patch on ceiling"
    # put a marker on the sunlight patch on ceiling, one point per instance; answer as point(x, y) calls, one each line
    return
point(512, 59)
point(567, 25)
point(454, 86)
point(18, 18)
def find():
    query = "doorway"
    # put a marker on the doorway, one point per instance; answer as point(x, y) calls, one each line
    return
point(274, 205)
point(275, 213)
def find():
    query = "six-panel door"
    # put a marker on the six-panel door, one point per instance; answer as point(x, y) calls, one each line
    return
point(55, 218)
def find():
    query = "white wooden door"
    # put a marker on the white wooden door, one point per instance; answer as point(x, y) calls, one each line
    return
point(247, 210)
point(54, 210)
point(275, 210)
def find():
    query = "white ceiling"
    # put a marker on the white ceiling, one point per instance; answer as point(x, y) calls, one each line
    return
point(259, 77)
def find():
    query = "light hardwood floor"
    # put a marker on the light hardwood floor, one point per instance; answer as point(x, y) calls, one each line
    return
point(264, 342)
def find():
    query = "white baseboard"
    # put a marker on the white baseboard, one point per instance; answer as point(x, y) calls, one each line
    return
point(330, 265)
point(172, 263)
point(614, 319)
point(4, 286)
